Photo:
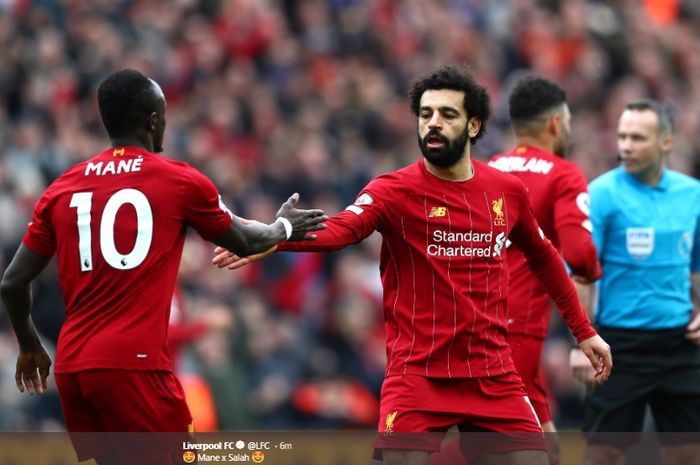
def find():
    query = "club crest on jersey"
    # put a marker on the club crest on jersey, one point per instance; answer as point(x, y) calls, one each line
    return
point(437, 212)
point(497, 207)
point(118, 152)
point(389, 422)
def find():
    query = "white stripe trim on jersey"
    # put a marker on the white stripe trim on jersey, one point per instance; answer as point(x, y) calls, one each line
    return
point(454, 298)
point(486, 298)
point(413, 313)
point(500, 280)
point(393, 311)
point(432, 275)
point(471, 263)
point(537, 419)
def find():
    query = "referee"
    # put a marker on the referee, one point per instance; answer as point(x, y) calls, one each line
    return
point(645, 226)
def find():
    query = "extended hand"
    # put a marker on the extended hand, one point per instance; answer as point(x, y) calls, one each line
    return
point(225, 259)
point(33, 371)
point(303, 221)
point(598, 353)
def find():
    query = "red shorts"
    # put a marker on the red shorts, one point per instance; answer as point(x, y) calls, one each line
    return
point(112, 400)
point(527, 351)
point(430, 406)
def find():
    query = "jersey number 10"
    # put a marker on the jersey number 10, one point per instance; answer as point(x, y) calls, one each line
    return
point(82, 201)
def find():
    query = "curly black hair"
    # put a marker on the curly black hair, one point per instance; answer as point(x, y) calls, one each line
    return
point(126, 98)
point(476, 98)
point(532, 96)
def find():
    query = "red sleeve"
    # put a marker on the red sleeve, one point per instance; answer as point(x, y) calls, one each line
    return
point(181, 333)
point(342, 229)
point(544, 261)
point(572, 223)
point(348, 227)
point(203, 208)
point(40, 236)
point(571, 199)
point(579, 252)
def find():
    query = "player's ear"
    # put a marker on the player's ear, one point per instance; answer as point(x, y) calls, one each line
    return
point(473, 126)
point(666, 143)
point(153, 121)
point(554, 124)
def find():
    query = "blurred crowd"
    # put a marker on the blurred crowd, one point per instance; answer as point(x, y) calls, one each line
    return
point(271, 97)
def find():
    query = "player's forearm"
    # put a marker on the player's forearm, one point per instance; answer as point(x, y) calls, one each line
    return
point(326, 241)
point(252, 238)
point(17, 299)
point(15, 291)
point(181, 333)
point(579, 252)
point(263, 236)
point(586, 294)
point(550, 270)
point(342, 230)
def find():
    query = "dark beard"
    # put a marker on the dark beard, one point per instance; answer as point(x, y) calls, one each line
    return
point(451, 152)
point(562, 148)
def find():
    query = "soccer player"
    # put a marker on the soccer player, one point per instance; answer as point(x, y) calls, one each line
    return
point(646, 229)
point(445, 220)
point(117, 225)
point(558, 193)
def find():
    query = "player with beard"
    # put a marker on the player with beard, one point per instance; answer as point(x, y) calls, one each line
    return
point(558, 194)
point(444, 221)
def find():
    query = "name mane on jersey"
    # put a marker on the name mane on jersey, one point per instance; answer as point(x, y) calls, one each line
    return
point(522, 164)
point(102, 168)
point(449, 244)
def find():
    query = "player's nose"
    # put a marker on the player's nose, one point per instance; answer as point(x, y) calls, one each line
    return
point(435, 121)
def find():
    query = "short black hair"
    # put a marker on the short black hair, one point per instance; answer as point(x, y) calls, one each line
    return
point(533, 96)
point(666, 119)
point(476, 98)
point(125, 100)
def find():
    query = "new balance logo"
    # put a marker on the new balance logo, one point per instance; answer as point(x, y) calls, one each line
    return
point(437, 212)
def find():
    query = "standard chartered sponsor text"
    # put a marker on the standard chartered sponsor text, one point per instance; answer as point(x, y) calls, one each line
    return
point(445, 244)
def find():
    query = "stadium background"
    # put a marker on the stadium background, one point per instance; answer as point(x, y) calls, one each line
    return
point(271, 97)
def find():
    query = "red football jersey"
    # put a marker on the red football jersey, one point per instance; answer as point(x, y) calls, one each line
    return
point(117, 224)
point(443, 266)
point(558, 194)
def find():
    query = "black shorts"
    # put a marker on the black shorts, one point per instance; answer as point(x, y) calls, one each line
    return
point(658, 368)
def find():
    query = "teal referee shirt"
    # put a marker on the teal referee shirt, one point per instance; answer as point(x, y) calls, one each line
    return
point(647, 240)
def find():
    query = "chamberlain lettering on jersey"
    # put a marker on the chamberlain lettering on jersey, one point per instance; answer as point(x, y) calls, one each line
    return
point(100, 168)
point(522, 164)
point(558, 192)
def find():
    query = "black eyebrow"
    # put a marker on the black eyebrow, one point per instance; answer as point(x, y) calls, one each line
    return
point(443, 108)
